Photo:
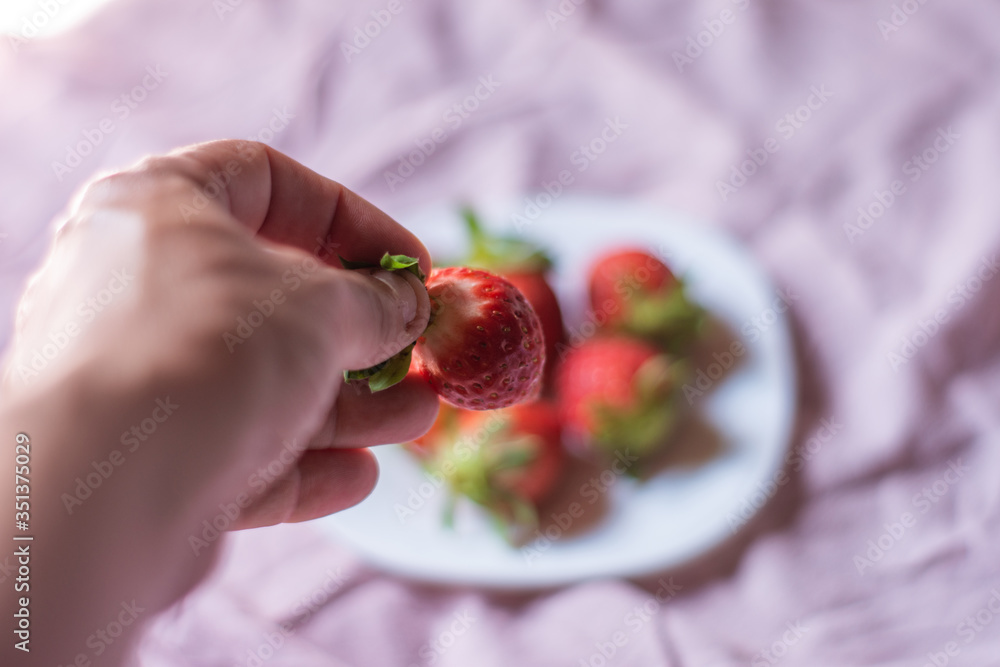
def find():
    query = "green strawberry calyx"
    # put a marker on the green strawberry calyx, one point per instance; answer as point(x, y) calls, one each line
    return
point(646, 423)
point(389, 263)
point(390, 372)
point(501, 254)
point(474, 469)
point(668, 319)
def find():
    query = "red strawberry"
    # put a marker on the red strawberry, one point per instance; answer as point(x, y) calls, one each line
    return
point(525, 265)
point(536, 429)
point(638, 294)
point(506, 460)
point(483, 348)
point(618, 393)
point(538, 292)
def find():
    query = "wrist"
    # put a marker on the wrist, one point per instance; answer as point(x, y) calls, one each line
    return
point(97, 544)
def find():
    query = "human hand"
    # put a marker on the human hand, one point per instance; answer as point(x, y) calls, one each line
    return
point(207, 280)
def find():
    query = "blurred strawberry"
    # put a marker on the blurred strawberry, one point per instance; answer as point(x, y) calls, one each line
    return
point(638, 294)
point(525, 265)
point(618, 393)
point(505, 460)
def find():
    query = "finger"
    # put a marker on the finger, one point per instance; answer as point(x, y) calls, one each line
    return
point(378, 314)
point(359, 417)
point(323, 481)
point(284, 201)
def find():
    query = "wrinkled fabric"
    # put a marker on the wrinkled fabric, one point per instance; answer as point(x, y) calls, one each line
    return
point(852, 147)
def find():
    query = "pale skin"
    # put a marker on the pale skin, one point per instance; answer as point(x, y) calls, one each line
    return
point(261, 415)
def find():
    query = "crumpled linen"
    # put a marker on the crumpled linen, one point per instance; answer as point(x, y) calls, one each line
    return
point(853, 147)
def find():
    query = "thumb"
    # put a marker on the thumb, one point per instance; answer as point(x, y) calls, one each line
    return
point(379, 314)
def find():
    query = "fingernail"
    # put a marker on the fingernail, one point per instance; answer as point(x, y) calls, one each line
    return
point(402, 290)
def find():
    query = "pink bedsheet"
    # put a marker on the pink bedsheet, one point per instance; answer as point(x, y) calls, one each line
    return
point(777, 120)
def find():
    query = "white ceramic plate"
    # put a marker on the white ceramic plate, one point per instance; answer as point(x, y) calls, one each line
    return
point(647, 527)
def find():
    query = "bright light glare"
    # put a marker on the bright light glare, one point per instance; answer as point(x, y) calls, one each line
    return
point(32, 18)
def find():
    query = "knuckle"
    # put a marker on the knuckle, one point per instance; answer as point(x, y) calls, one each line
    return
point(151, 178)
